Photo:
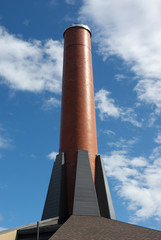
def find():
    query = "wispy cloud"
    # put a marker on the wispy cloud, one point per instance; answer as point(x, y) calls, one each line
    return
point(158, 138)
point(123, 144)
point(52, 155)
point(107, 108)
point(138, 182)
point(128, 115)
point(131, 31)
point(156, 153)
point(26, 22)
point(31, 65)
point(120, 77)
point(106, 105)
point(53, 3)
point(109, 132)
point(4, 142)
point(71, 2)
point(51, 103)
point(149, 91)
point(2, 228)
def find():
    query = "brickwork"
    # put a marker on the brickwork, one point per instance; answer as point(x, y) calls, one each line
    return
point(78, 126)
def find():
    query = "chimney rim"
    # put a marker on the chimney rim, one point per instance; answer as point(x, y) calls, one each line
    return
point(79, 25)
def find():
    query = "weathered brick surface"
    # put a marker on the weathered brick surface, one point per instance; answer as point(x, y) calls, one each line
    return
point(99, 228)
point(78, 125)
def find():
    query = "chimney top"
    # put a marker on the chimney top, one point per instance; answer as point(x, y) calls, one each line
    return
point(79, 25)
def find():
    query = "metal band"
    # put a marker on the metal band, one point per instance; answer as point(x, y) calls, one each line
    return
point(79, 26)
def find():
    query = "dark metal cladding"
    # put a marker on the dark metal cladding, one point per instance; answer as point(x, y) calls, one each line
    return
point(56, 200)
point(103, 191)
point(31, 232)
point(63, 204)
point(85, 198)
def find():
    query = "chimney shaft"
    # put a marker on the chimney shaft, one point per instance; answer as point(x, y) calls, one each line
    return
point(78, 125)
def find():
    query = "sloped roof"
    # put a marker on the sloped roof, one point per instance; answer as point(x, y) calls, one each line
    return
point(99, 228)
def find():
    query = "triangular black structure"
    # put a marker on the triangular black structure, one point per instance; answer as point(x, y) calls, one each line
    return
point(56, 199)
point(89, 199)
point(85, 198)
point(103, 191)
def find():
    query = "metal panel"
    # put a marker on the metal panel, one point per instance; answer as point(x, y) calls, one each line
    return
point(85, 198)
point(63, 203)
point(103, 191)
point(56, 200)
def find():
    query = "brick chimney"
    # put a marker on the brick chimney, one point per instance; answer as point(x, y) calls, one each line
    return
point(78, 124)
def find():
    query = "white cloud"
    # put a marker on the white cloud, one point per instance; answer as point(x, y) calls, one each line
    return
point(4, 142)
point(158, 138)
point(156, 153)
point(51, 103)
point(128, 115)
point(52, 155)
point(2, 228)
point(109, 132)
point(30, 65)
point(123, 144)
point(107, 108)
point(106, 105)
point(120, 77)
point(130, 30)
point(71, 2)
point(138, 182)
point(138, 162)
point(52, 3)
point(149, 90)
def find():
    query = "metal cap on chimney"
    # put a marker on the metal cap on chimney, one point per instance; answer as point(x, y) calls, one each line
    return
point(79, 25)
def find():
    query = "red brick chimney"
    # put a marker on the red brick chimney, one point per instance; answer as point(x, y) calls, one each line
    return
point(78, 124)
point(78, 183)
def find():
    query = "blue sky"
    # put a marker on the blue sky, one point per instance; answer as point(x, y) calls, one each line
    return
point(126, 50)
